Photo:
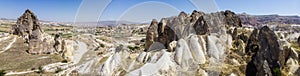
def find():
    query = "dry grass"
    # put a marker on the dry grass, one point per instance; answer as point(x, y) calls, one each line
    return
point(16, 58)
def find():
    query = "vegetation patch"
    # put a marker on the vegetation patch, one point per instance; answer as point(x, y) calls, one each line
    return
point(2, 72)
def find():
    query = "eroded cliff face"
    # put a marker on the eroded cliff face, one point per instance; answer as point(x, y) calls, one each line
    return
point(198, 23)
point(29, 28)
point(211, 44)
point(189, 44)
point(202, 44)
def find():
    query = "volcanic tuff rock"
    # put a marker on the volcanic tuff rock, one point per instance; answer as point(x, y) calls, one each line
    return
point(152, 33)
point(199, 23)
point(205, 44)
point(268, 58)
point(253, 43)
point(29, 27)
point(26, 25)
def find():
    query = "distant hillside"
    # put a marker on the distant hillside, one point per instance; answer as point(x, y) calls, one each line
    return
point(265, 19)
point(105, 23)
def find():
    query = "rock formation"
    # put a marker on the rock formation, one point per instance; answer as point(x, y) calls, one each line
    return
point(206, 44)
point(174, 28)
point(151, 34)
point(232, 19)
point(201, 26)
point(268, 58)
point(253, 43)
point(28, 26)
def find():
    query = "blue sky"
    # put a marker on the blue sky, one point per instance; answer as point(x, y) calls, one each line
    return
point(140, 10)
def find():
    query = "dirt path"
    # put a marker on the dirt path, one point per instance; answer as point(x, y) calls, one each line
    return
point(9, 45)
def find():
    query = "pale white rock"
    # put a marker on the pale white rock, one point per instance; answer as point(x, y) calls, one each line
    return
point(229, 41)
point(202, 43)
point(154, 58)
point(202, 72)
point(213, 50)
point(216, 52)
point(293, 65)
point(178, 52)
point(54, 67)
point(196, 50)
point(183, 55)
point(172, 46)
point(232, 74)
point(164, 66)
point(294, 54)
point(141, 57)
point(67, 53)
point(235, 62)
point(110, 65)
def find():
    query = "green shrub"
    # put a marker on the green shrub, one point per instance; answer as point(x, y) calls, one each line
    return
point(40, 69)
point(133, 48)
point(102, 45)
point(64, 61)
point(2, 72)
point(277, 72)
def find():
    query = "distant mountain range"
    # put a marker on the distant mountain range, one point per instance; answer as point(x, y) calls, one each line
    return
point(102, 23)
point(246, 19)
point(266, 19)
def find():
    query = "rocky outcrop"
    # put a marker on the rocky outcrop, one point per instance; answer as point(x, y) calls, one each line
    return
point(268, 58)
point(232, 19)
point(174, 28)
point(196, 50)
point(151, 34)
point(253, 43)
point(163, 66)
point(183, 56)
point(58, 43)
point(172, 46)
point(29, 28)
point(165, 33)
point(201, 26)
point(26, 25)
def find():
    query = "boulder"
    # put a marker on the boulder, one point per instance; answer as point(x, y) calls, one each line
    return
point(172, 46)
